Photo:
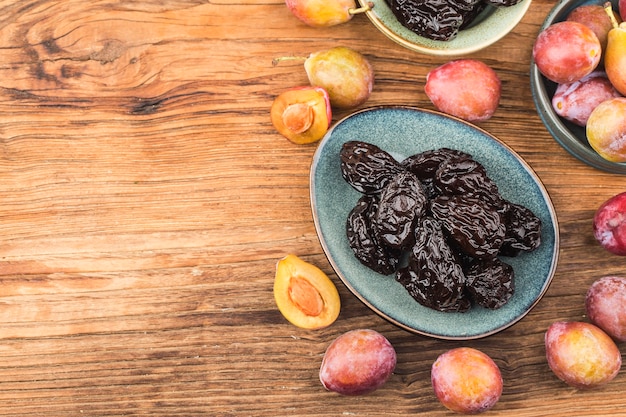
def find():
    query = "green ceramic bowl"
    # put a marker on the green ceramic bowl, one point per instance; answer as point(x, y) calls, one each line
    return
point(489, 27)
point(404, 131)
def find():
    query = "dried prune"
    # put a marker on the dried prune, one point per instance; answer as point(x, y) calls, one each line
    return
point(363, 239)
point(441, 209)
point(464, 176)
point(402, 203)
point(433, 276)
point(366, 167)
point(425, 164)
point(490, 282)
point(472, 14)
point(475, 226)
point(435, 19)
point(523, 230)
point(502, 3)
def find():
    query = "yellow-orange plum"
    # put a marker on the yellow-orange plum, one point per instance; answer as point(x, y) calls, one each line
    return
point(466, 380)
point(606, 129)
point(322, 13)
point(581, 354)
point(344, 73)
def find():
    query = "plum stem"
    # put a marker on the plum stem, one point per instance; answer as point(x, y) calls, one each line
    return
point(608, 7)
point(276, 61)
point(362, 9)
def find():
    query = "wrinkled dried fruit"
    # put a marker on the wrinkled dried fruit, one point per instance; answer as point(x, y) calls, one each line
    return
point(425, 164)
point(366, 167)
point(402, 204)
point(523, 230)
point(304, 294)
point(437, 20)
point(473, 224)
point(490, 282)
point(433, 277)
point(363, 237)
point(464, 176)
point(459, 223)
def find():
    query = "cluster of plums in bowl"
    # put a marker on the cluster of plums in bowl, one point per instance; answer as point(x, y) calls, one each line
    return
point(578, 80)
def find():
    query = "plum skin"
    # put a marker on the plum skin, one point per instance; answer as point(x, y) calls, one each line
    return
point(606, 129)
point(605, 304)
point(346, 74)
point(609, 224)
point(581, 354)
point(594, 16)
point(466, 88)
point(322, 13)
point(466, 380)
point(358, 362)
point(566, 51)
point(575, 101)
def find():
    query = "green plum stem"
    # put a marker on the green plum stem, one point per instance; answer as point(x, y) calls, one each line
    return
point(608, 7)
point(276, 61)
point(362, 9)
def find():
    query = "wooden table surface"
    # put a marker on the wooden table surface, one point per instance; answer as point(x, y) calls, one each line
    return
point(146, 198)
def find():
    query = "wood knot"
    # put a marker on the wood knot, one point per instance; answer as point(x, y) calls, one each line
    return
point(111, 50)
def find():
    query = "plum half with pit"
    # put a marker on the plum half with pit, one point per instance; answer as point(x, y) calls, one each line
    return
point(609, 224)
point(302, 114)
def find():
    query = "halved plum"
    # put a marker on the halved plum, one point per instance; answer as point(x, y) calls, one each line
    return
point(304, 294)
point(302, 114)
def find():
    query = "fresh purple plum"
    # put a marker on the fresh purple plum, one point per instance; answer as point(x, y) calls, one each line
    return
point(609, 224)
point(595, 17)
point(357, 362)
point(566, 51)
point(581, 354)
point(465, 88)
point(575, 101)
point(605, 303)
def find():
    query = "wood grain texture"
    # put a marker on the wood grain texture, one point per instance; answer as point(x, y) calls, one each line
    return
point(145, 199)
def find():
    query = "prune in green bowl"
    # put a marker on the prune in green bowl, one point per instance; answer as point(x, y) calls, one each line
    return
point(402, 132)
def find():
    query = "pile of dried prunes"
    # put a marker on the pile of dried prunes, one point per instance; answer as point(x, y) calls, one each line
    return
point(441, 19)
point(439, 209)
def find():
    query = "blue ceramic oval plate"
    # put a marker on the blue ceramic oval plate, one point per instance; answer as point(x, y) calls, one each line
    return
point(404, 131)
point(491, 25)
